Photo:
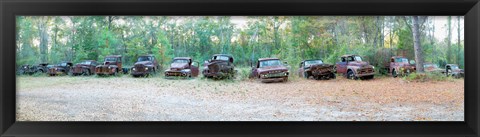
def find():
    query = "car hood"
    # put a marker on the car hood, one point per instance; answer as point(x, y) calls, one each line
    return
point(272, 68)
point(178, 65)
point(143, 62)
point(358, 63)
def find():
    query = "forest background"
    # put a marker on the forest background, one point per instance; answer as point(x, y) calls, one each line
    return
point(53, 39)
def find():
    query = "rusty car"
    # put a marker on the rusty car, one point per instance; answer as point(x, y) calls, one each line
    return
point(353, 67)
point(317, 69)
point(399, 65)
point(219, 66)
point(184, 67)
point(432, 68)
point(146, 65)
point(454, 70)
point(86, 67)
point(112, 65)
point(62, 68)
point(32, 69)
point(270, 70)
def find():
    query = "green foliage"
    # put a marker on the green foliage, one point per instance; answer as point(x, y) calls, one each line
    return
point(290, 38)
point(424, 77)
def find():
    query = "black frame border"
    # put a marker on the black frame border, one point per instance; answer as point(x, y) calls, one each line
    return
point(11, 8)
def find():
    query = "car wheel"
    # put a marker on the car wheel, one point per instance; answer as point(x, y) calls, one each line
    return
point(332, 75)
point(394, 73)
point(449, 72)
point(285, 79)
point(305, 75)
point(351, 75)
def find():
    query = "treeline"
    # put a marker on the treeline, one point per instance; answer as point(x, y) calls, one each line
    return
point(293, 38)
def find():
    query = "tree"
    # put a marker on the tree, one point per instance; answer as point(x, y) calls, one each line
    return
point(418, 48)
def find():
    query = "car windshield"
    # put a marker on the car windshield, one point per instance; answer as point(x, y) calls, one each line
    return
point(111, 59)
point(312, 62)
point(86, 62)
point(358, 58)
point(221, 58)
point(144, 58)
point(180, 61)
point(404, 60)
point(267, 63)
point(430, 66)
point(63, 64)
point(454, 67)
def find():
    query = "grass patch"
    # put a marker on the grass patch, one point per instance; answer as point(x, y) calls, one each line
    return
point(424, 77)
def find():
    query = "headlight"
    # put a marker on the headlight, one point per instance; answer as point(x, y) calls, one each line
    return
point(146, 68)
point(55, 68)
point(134, 69)
point(109, 67)
point(373, 67)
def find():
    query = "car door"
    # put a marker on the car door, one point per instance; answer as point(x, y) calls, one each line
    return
point(194, 68)
point(342, 65)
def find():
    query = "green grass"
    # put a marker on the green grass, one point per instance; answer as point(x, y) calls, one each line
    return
point(424, 77)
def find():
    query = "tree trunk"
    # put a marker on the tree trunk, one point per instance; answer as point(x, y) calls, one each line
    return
point(458, 41)
point(449, 40)
point(417, 46)
point(43, 38)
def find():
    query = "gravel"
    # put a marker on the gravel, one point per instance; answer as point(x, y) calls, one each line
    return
point(157, 99)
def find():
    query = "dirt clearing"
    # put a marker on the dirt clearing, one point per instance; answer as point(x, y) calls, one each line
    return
point(158, 99)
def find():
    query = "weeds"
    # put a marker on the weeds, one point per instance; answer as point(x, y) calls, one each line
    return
point(424, 77)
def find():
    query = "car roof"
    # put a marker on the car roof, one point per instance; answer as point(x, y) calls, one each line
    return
point(350, 55)
point(181, 58)
point(262, 59)
point(230, 56)
point(114, 56)
point(398, 57)
point(148, 55)
point(311, 60)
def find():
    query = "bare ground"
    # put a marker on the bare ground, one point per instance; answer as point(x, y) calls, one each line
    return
point(158, 99)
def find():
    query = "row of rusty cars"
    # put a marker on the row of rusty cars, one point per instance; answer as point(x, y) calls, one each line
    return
point(222, 66)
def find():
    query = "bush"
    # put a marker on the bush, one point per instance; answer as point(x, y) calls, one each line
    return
point(243, 73)
point(423, 77)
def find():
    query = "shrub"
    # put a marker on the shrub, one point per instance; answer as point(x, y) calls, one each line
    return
point(423, 77)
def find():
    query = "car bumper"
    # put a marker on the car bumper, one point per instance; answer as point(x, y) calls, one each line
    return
point(273, 79)
point(176, 73)
point(365, 74)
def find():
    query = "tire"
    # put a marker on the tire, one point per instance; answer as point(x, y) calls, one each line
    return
point(305, 75)
point(351, 75)
point(86, 72)
point(285, 79)
point(394, 73)
point(449, 72)
point(333, 76)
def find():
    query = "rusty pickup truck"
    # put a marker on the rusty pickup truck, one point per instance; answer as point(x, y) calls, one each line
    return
point(183, 67)
point(353, 67)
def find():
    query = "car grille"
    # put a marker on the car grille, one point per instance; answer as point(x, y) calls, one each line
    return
point(365, 70)
point(276, 74)
point(52, 71)
point(173, 73)
point(214, 68)
point(139, 68)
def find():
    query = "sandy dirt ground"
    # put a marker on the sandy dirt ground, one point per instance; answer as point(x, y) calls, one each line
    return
point(158, 99)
